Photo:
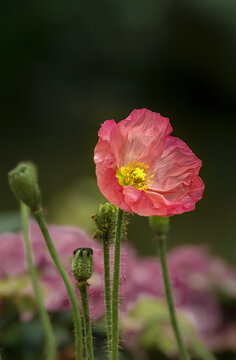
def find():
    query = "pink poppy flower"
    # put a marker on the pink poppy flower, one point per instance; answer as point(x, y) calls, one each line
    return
point(142, 169)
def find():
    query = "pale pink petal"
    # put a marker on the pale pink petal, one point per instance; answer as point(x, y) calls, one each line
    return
point(106, 176)
point(138, 136)
point(168, 204)
point(138, 201)
point(183, 200)
point(105, 130)
point(176, 161)
point(176, 183)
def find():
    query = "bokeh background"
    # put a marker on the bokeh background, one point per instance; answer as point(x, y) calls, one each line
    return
point(67, 66)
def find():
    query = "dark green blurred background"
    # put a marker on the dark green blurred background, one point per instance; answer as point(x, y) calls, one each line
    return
point(67, 66)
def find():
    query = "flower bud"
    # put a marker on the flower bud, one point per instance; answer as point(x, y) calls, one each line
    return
point(105, 218)
point(82, 264)
point(159, 224)
point(24, 185)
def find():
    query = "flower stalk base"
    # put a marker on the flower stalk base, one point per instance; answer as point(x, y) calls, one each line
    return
point(86, 320)
point(39, 217)
point(50, 340)
point(161, 240)
point(115, 288)
point(107, 284)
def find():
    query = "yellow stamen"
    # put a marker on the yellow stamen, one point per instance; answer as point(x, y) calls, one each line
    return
point(134, 174)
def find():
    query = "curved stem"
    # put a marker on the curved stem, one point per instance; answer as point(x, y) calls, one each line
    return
point(51, 347)
point(87, 321)
point(39, 216)
point(107, 285)
point(169, 296)
point(115, 287)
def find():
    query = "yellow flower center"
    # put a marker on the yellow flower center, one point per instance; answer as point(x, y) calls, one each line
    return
point(134, 174)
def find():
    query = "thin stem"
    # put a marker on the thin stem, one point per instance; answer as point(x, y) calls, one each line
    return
point(87, 321)
point(51, 347)
point(107, 285)
point(39, 216)
point(115, 287)
point(169, 296)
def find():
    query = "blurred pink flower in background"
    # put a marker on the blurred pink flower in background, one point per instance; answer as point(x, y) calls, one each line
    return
point(199, 280)
point(66, 239)
point(142, 169)
point(189, 267)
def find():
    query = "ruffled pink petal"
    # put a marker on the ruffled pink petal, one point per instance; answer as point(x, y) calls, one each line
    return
point(177, 162)
point(139, 137)
point(138, 201)
point(186, 196)
point(106, 129)
point(177, 186)
point(106, 175)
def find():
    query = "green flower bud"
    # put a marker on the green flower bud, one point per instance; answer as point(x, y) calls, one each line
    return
point(24, 185)
point(159, 224)
point(82, 264)
point(105, 218)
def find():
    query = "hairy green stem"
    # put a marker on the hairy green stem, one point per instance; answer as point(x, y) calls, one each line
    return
point(115, 287)
point(51, 347)
point(39, 216)
point(107, 285)
point(170, 300)
point(86, 320)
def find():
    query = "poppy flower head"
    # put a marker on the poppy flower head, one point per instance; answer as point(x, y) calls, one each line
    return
point(142, 169)
point(134, 174)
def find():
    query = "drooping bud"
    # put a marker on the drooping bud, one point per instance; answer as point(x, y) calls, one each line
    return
point(105, 219)
point(159, 224)
point(82, 264)
point(24, 184)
